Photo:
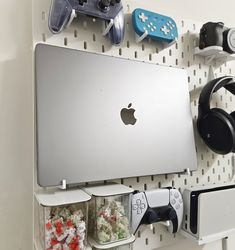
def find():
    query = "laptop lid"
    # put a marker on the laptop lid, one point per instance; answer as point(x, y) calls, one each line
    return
point(101, 117)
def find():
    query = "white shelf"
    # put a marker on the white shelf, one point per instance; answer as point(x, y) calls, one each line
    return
point(214, 53)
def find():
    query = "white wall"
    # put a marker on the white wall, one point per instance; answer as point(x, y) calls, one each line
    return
point(16, 125)
point(16, 110)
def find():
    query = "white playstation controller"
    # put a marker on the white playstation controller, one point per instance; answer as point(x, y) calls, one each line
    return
point(159, 205)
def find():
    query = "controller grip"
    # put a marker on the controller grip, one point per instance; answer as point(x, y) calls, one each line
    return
point(172, 215)
point(116, 33)
point(59, 17)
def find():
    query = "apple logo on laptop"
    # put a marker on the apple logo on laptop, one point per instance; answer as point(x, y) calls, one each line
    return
point(127, 115)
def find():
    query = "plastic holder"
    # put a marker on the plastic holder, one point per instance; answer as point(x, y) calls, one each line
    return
point(61, 219)
point(214, 53)
point(109, 215)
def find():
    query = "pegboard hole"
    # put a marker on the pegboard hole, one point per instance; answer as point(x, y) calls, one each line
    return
point(219, 177)
point(161, 237)
point(120, 52)
point(185, 182)
point(176, 46)
point(128, 44)
point(128, 7)
point(170, 52)
point(173, 183)
point(188, 48)
point(182, 54)
point(208, 179)
point(197, 180)
point(85, 45)
point(203, 172)
point(44, 37)
point(182, 39)
point(146, 241)
point(84, 24)
point(150, 57)
point(143, 47)
point(176, 62)
point(194, 26)
point(136, 54)
point(103, 49)
point(164, 59)
point(159, 184)
point(139, 234)
point(75, 33)
point(43, 16)
point(145, 186)
point(65, 41)
point(154, 230)
point(138, 179)
point(182, 23)
point(93, 37)
point(194, 72)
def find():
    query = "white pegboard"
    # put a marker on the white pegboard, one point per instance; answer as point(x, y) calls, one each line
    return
point(86, 34)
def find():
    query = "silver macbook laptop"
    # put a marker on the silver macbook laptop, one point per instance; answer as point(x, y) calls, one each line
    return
point(101, 118)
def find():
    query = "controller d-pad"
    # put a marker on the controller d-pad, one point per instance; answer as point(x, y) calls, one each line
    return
point(139, 206)
point(165, 30)
point(143, 17)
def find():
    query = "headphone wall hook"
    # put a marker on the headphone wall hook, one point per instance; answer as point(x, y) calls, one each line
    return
point(211, 74)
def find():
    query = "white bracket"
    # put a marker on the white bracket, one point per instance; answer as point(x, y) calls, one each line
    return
point(187, 171)
point(165, 223)
point(214, 53)
point(108, 27)
point(166, 45)
point(72, 16)
point(142, 37)
point(63, 185)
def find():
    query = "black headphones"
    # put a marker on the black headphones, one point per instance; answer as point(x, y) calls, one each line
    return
point(215, 126)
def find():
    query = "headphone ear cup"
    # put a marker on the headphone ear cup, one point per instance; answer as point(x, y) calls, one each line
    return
point(217, 130)
point(233, 116)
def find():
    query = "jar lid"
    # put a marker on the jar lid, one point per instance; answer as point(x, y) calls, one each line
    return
point(109, 189)
point(55, 197)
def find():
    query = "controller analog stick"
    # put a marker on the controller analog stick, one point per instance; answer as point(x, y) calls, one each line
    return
point(104, 4)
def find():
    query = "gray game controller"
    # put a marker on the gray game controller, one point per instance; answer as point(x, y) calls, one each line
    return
point(63, 11)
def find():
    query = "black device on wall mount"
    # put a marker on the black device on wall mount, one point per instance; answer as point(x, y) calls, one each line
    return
point(216, 126)
point(216, 34)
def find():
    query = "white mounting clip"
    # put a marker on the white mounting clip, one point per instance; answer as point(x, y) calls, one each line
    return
point(166, 45)
point(187, 171)
point(72, 16)
point(108, 27)
point(142, 37)
point(63, 185)
point(165, 223)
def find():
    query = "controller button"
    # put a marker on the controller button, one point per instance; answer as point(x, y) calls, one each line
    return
point(151, 23)
point(173, 201)
point(170, 22)
point(176, 195)
point(139, 206)
point(155, 27)
point(152, 29)
point(177, 206)
point(165, 30)
point(143, 17)
point(180, 200)
point(149, 26)
point(104, 4)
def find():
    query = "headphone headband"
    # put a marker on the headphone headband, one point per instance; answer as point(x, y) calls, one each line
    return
point(228, 82)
